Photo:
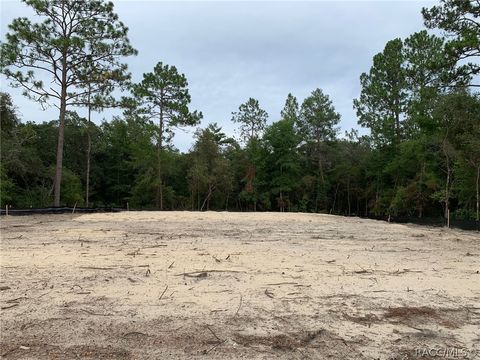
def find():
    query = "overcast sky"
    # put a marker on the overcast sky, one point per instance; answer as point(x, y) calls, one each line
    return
point(230, 51)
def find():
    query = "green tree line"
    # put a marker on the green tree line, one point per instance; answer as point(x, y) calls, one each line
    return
point(418, 101)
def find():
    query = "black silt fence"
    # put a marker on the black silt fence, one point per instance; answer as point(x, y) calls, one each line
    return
point(58, 210)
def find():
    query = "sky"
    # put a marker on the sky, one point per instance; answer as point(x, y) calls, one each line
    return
point(231, 51)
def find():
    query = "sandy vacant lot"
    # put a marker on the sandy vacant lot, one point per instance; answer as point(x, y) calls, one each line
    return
point(160, 285)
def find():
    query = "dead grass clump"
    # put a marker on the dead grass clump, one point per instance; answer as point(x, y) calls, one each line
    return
point(287, 342)
point(365, 320)
point(406, 312)
point(448, 318)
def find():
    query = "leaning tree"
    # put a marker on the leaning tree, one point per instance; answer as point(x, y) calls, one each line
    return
point(74, 43)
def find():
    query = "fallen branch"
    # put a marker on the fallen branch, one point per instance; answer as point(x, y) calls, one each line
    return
point(199, 275)
point(283, 283)
point(205, 352)
point(163, 293)
point(93, 313)
point(134, 253)
point(208, 327)
point(134, 333)
point(194, 273)
point(220, 341)
point(362, 271)
point(154, 246)
point(16, 299)
point(9, 306)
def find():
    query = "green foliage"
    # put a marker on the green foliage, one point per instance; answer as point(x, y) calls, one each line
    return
point(282, 161)
point(383, 98)
point(421, 158)
point(460, 20)
point(72, 35)
point(210, 176)
point(291, 110)
point(252, 119)
point(72, 188)
point(318, 118)
point(317, 127)
point(7, 188)
point(76, 45)
point(163, 96)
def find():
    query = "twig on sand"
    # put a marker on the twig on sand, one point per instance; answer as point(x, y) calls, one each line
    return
point(197, 273)
point(134, 253)
point(152, 247)
point(205, 352)
point(134, 333)
point(239, 305)
point(94, 313)
point(363, 271)
point(16, 299)
point(283, 283)
point(269, 293)
point(9, 306)
point(220, 341)
point(163, 293)
point(208, 327)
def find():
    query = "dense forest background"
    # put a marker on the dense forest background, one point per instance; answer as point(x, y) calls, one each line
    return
point(421, 158)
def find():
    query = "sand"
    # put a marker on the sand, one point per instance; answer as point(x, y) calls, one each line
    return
point(183, 285)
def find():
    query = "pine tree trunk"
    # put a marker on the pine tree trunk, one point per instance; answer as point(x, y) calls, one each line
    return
point(320, 179)
point(87, 181)
point(89, 150)
point(447, 184)
point(348, 197)
point(159, 162)
point(478, 193)
point(61, 134)
point(335, 198)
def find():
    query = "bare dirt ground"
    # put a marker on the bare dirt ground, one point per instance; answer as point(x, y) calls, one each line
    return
point(182, 285)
